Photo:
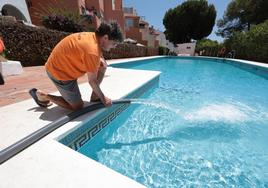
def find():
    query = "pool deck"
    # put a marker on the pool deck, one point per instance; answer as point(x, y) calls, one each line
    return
point(48, 163)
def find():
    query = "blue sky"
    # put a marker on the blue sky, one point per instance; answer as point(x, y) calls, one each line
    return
point(154, 11)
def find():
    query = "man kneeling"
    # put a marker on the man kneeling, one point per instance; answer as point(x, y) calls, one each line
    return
point(74, 56)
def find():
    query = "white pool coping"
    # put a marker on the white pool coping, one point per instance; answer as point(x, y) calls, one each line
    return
point(48, 163)
point(259, 64)
point(264, 65)
point(118, 61)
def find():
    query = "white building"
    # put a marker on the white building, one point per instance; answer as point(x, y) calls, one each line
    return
point(162, 39)
point(171, 46)
point(164, 42)
point(16, 8)
point(186, 49)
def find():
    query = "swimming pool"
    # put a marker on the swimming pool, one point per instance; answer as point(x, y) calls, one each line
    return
point(206, 125)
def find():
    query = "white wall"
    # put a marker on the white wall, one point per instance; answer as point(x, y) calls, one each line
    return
point(164, 42)
point(171, 46)
point(162, 39)
point(186, 49)
point(19, 4)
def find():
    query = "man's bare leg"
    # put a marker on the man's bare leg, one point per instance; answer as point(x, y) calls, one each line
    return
point(100, 77)
point(59, 101)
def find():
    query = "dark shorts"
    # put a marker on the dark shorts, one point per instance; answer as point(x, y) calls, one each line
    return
point(69, 90)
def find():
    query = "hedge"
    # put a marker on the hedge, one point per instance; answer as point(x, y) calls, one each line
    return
point(33, 45)
point(129, 50)
point(29, 45)
point(251, 45)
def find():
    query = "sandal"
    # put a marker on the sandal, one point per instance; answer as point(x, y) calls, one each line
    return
point(43, 104)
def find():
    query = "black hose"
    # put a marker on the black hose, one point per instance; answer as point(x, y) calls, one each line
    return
point(17, 147)
point(2, 81)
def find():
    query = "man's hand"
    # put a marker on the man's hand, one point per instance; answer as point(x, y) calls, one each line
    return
point(103, 62)
point(107, 102)
point(92, 80)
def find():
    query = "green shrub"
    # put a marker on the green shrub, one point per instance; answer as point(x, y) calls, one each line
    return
point(29, 45)
point(63, 19)
point(61, 23)
point(163, 50)
point(125, 50)
point(208, 47)
point(251, 45)
point(172, 53)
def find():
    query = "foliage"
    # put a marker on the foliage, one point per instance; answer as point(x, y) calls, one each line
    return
point(61, 23)
point(63, 19)
point(163, 50)
point(34, 44)
point(124, 50)
point(203, 43)
point(172, 53)
point(240, 15)
point(193, 19)
point(251, 45)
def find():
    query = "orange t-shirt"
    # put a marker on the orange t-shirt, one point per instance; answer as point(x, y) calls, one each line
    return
point(2, 46)
point(74, 56)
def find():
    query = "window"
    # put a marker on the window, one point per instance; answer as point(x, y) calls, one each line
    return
point(129, 22)
point(113, 4)
point(142, 26)
point(29, 3)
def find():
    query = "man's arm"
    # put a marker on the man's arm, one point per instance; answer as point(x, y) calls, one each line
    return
point(103, 62)
point(93, 82)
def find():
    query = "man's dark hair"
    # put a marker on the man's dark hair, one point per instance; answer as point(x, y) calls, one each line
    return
point(111, 29)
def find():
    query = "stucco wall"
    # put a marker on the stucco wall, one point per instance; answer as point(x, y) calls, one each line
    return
point(186, 48)
point(162, 39)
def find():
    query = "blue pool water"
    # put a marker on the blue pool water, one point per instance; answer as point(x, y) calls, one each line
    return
point(206, 125)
